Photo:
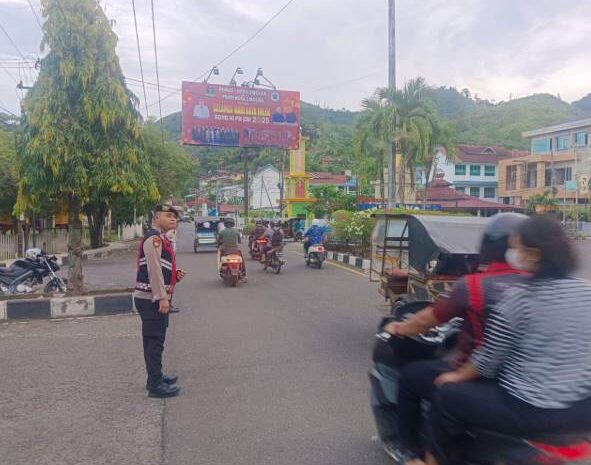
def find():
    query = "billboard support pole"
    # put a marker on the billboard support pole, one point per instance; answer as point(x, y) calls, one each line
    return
point(282, 186)
point(391, 85)
point(245, 156)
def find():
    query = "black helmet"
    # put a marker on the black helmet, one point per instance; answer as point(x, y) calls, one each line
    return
point(229, 222)
point(495, 240)
point(276, 223)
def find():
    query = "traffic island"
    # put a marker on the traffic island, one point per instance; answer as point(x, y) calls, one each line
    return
point(45, 307)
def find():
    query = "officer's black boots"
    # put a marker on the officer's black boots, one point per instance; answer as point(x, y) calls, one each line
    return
point(164, 390)
point(166, 379)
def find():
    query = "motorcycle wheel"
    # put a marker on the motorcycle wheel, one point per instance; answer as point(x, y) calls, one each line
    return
point(276, 266)
point(234, 280)
point(318, 264)
point(53, 286)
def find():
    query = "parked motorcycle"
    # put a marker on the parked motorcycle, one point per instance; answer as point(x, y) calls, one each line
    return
point(231, 269)
point(28, 275)
point(274, 260)
point(484, 447)
point(315, 256)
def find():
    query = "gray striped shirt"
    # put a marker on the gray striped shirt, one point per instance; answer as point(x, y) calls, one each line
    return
point(538, 342)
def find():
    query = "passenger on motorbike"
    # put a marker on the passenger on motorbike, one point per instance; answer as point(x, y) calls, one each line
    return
point(259, 230)
point(313, 235)
point(229, 241)
point(532, 375)
point(471, 299)
point(274, 236)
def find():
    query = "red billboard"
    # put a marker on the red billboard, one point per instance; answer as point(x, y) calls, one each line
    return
point(232, 116)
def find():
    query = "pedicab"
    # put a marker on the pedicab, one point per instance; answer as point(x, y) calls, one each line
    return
point(206, 233)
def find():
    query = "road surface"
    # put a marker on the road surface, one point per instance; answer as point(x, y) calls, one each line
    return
point(273, 372)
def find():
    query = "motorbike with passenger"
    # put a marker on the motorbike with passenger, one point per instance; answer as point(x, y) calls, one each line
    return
point(416, 258)
point(273, 257)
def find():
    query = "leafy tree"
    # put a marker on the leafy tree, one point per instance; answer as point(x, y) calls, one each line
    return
point(81, 125)
point(329, 199)
point(541, 203)
point(8, 173)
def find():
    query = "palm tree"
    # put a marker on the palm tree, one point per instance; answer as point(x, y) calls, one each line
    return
point(371, 139)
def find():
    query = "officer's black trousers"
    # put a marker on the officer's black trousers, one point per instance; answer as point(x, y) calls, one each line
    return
point(154, 334)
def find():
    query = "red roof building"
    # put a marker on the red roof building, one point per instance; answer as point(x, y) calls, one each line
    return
point(440, 192)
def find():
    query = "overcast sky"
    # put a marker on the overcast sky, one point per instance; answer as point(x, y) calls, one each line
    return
point(335, 51)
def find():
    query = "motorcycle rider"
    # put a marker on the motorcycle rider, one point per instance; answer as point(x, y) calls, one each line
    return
point(229, 240)
point(471, 299)
point(259, 230)
point(313, 235)
point(274, 236)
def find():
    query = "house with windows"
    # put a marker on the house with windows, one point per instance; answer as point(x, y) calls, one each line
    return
point(475, 168)
point(559, 161)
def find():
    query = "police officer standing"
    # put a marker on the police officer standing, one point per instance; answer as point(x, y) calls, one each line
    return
point(157, 275)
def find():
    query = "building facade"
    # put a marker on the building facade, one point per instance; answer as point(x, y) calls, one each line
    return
point(265, 192)
point(559, 161)
point(475, 169)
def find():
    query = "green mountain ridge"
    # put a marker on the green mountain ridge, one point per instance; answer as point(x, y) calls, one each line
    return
point(476, 121)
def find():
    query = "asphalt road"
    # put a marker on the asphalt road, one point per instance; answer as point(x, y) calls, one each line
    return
point(273, 372)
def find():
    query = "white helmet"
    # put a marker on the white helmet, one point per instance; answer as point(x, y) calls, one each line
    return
point(316, 222)
point(32, 254)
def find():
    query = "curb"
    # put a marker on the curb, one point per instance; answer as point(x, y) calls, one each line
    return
point(351, 260)
point(66, 307)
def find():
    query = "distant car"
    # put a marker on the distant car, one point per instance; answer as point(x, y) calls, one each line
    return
point(186, 219)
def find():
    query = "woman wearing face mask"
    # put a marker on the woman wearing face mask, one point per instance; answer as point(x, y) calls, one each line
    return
point(533, 373)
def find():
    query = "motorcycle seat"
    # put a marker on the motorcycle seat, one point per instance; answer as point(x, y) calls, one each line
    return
point(11, 271)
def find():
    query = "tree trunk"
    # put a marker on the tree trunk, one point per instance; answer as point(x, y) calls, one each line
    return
point(381, 174)
point(75, 277)
point(96, 220)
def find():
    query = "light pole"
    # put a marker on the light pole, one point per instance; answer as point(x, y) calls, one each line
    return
point(233, 80)
point(391, 85)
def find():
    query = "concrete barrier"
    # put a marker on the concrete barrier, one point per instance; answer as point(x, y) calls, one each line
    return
point(66, 307)
point(351, 260)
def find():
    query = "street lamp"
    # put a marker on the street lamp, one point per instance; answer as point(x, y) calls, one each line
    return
point(214, 71)
point(233, 80)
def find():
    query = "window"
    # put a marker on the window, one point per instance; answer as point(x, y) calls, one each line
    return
point(562, 142)
point(541, 145)
point(581, 139)
point(475, 191)
point(460, 170)
point(489, 170)
point(489, 193)
point(461, 189)
point(531, 176)
point(561, 175)
point(474, 170)
point(511, 179)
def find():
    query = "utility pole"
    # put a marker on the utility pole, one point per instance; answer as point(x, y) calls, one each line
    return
point(282, 184)
point(391, 85)
point(245, 156)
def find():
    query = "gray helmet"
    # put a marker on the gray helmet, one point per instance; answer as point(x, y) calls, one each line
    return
point(229, 222)
point(496, 235)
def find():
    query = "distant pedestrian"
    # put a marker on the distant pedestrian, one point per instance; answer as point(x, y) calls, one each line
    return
point(157, 275)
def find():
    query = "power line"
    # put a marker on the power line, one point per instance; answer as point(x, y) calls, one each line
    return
point(6, 110)
point(9, 73)
point(157, 73)
point(12, 42)
point(237, 49)
point(139, 54)
point(35, 13)
point(153, 84)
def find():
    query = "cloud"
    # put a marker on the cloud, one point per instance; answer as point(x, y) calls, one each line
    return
point(335, 51)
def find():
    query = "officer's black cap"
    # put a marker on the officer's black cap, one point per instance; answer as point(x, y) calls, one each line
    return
point(167, 208)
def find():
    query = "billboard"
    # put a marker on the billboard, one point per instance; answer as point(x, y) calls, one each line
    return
point(231, 116)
